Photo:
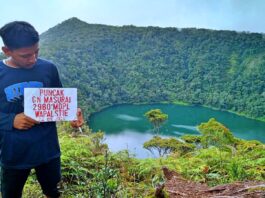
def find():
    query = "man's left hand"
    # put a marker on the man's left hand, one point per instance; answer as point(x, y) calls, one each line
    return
point(80, 120)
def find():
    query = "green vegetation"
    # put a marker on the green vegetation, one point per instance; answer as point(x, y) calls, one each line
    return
point(168, 145)
point(157, 118)
point(116, 65)
point(215, 134)
point(91, 170)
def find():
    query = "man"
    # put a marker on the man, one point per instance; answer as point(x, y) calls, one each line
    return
point(24, 142)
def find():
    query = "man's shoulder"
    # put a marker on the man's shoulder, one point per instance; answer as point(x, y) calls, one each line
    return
point(42, 61)
point(44, 64)
point(2, 65)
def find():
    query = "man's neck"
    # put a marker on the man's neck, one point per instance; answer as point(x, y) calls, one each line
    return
point(8, 63)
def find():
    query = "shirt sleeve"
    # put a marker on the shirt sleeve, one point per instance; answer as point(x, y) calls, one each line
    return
point(6, 121)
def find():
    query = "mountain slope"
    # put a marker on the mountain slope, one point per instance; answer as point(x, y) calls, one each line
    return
point(113, 65)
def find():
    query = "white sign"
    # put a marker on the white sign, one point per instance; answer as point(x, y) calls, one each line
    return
point(50, 104)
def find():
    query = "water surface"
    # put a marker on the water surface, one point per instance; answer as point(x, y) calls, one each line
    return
point(126, 127)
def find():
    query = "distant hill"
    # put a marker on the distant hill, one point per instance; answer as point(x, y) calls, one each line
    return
point(2, 56)
point(114, 65)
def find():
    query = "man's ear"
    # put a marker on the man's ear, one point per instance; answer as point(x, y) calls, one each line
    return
point(6, 51)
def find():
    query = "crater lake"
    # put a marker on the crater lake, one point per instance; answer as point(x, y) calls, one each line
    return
point(126, 127)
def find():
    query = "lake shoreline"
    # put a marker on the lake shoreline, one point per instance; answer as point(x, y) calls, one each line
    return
point(175, 103)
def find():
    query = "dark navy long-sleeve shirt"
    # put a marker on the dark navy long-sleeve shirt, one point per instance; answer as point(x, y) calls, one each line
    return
point(21, 149)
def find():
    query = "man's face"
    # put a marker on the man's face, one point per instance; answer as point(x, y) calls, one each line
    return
point(23, 57)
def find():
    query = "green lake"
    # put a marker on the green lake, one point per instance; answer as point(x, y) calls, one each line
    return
point(126, 127)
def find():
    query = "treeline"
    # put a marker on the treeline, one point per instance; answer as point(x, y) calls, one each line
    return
point(113, 65)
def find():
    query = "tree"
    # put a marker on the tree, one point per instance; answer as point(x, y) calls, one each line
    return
point(166, 146)
point(215, 134)
point(157, 118)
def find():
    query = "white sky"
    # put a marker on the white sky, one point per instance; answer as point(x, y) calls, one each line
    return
point(239, 15)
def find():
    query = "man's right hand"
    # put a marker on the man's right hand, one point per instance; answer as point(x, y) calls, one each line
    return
point(23, 122)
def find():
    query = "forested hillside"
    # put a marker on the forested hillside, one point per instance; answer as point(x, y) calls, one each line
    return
point(113, 65)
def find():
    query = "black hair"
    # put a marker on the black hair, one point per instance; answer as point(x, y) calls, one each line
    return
point(19, 34)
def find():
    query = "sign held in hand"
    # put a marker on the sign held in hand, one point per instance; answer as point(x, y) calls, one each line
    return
point(50, 104)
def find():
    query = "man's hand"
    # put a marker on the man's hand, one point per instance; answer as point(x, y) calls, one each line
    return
point(23, 122)
point(80, 120)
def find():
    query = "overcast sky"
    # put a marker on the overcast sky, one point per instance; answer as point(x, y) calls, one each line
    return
point(239, 15)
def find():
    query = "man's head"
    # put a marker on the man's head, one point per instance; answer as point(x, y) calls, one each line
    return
point(21, 43)
point(19, 34)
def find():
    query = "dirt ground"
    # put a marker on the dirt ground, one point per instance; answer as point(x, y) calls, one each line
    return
point(177, 186)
